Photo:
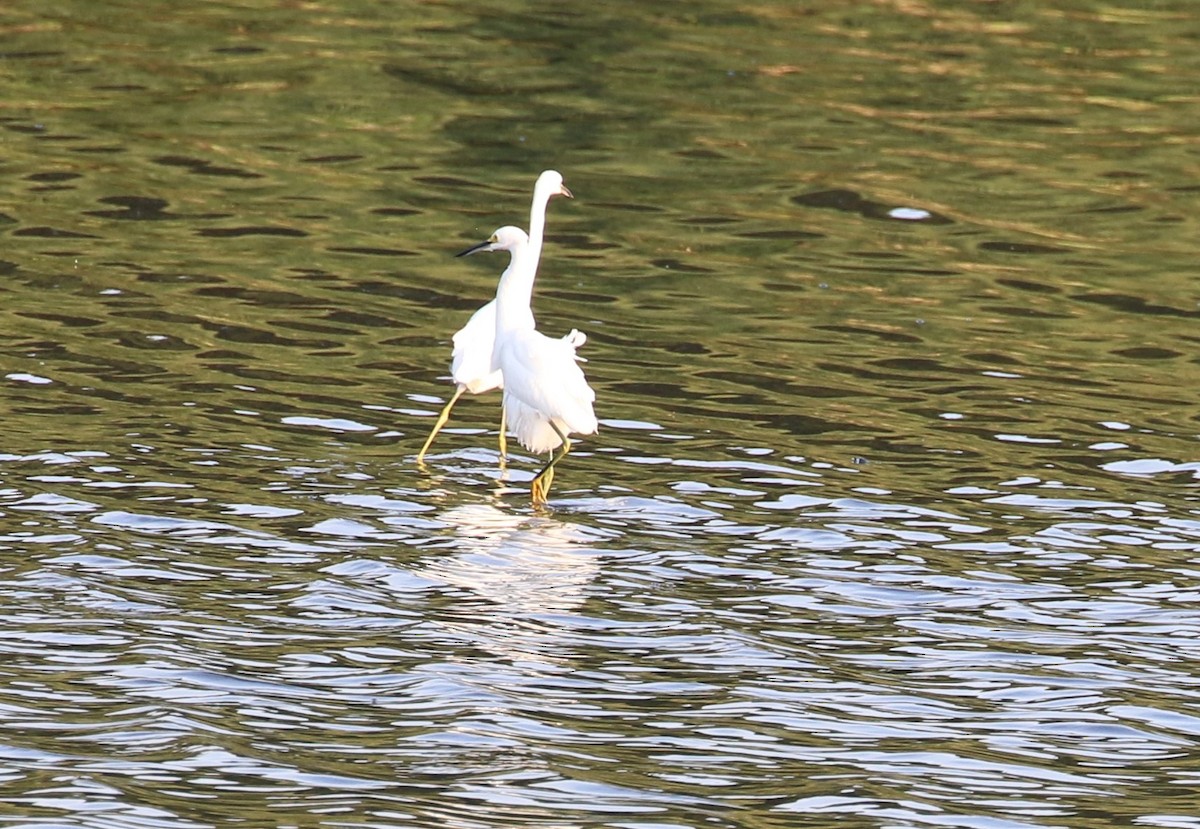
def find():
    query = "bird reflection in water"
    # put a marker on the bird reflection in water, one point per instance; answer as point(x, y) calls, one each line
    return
point(520, 564)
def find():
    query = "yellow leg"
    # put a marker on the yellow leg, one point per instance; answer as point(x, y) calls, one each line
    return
point(539, 487)
point(441, 421)
point(503, 435)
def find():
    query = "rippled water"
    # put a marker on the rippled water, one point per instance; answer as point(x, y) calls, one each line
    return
point(892, 518)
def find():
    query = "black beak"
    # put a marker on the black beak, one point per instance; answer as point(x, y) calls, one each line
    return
point(476, 248)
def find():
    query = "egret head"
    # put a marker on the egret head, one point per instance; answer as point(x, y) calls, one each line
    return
point(506, 238)
point(551, 183)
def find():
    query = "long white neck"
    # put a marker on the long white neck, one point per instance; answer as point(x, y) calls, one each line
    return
point(514, 294)
point(537, 224)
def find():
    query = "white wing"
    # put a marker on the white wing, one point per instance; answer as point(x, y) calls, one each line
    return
point(543, 383)
point(576, 339)
point(471, 363)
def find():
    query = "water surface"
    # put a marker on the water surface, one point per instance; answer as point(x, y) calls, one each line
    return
point(891, 520)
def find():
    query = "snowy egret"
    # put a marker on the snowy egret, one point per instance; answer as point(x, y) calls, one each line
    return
point(546, 396)
point(471, 365)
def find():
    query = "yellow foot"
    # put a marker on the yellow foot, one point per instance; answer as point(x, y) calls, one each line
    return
point(538, 490)
point(540, 487)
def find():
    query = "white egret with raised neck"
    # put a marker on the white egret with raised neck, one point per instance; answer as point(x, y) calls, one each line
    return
point(471, 366)
point(546, 396)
